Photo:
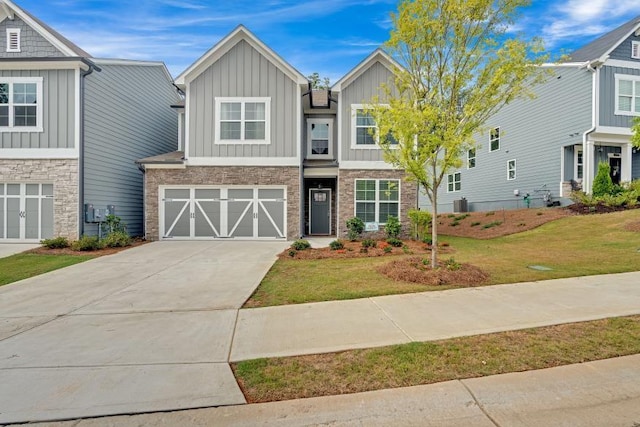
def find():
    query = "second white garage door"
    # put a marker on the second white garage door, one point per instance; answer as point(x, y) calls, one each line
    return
point(223, 212)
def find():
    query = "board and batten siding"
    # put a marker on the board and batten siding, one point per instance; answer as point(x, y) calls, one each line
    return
point(533, 132)
point(32, 44)
point(127, 117)
point(243, 72)
point(623, 50)
point(608, 100)
point(58, 115)
point(361, 91)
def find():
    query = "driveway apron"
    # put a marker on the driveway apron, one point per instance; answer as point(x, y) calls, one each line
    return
point(147, 329)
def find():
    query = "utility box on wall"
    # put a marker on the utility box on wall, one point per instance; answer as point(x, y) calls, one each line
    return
point(93, 214)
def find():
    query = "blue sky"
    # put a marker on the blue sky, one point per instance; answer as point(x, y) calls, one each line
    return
point(327, 36)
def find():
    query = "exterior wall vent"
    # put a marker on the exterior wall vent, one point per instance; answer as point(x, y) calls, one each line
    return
point(13, 39)
point(635, 50)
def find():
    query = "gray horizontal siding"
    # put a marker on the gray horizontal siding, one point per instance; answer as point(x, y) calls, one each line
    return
point(58, 92)
point(361, 91)
point(533, 132)
point(635, 165)
point(32, 44)
point(608, 96)
point(128, 117)
point(243, 72)
point(623, 50)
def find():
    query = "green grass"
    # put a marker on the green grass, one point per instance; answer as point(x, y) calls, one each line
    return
point(264, 380)
point(22, 266)
point(572, 246)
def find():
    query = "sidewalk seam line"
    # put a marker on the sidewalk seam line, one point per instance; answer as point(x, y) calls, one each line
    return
point(233, 337)
point(393, 322)
point(475, 399)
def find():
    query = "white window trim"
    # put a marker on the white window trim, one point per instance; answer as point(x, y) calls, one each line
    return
point(39, 105)
point(633, 79)
point(330, 140)
point(498, 139)
point(514, 169)
point(377, 200)
point(453, 175)
point(10, 33)
point(243, 101)
point(475, 156)
point(635, 47)
point(575, 165)
point(354, 145)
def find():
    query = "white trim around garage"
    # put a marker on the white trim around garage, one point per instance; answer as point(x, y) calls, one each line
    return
point(38, 153)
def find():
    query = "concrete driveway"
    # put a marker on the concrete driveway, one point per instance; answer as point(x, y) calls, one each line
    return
point(8, 249)
point(148, 329)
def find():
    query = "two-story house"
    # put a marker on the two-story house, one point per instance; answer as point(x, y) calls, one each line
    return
point(263, 155)
point(581, 116)
point(71, 128)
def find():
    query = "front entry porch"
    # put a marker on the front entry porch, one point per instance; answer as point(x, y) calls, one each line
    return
point(320, 206)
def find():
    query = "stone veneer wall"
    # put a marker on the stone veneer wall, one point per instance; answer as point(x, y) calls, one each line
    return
point(63, 174)
point(222, 176)
point(346, 186)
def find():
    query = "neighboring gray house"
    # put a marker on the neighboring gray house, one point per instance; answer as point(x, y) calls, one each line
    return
point(581, 116)
point(262, 156)
point(71, 127)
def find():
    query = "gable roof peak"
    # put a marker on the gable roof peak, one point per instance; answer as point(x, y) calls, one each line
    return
point(378, 55)
point(602, 46)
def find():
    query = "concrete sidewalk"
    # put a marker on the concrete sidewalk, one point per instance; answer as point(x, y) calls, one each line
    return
point(8, 249)
point(594, 394)
point(372, 322)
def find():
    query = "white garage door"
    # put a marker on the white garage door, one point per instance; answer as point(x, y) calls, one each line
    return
point(223, 212)
point(26, 212)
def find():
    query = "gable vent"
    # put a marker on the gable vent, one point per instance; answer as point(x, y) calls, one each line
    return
point(13, 40)
point(635, 50)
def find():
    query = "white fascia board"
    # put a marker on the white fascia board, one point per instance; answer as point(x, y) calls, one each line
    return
point(605, 56)
point(565, 64)
point(43, 65)
point(38, 153)
point(623, 64)
point(352, 164)
point(243, 161)
point(226, 44)
point(376, 56)
point(163, 166)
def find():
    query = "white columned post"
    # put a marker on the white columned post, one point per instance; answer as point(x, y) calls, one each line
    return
point(627, 152)
point(588, 160)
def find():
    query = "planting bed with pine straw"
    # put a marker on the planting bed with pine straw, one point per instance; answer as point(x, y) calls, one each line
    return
point(418, 270)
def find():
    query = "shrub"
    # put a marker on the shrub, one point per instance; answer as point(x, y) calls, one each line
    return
point(387, 249)
point(452, 264)
point(369, 243)
point(602, 183)
point(406, 249)
point(461, 217)
point(336, 245)
point(55, 243)
point(87, 243)
point(117, 239)
point(490, 213)
point(428, 240)
point(492, 224)
point(395, 242)
point(455, 223)
point(301, 245)
point(393, 227)
point(420, 221)
point(355, 227)
point(292, 253)
point(475, 224)
point(113, 223)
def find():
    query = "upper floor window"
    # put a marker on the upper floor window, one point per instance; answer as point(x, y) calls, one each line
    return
point(13, 39)
point(363, 129)
point(471, 158)
point(511, 170)
point(377, 199)
point(243, 120)
point(635, 50)
point(454, 182)
point(319, 138)
point(627, 95)
point(494, 139)
point(21, 104)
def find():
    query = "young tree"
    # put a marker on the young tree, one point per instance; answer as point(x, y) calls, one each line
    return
point(635, 132)
point(318, 82)
point(460, 66)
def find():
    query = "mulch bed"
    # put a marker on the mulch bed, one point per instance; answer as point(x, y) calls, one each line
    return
point(355, 250)
point(417, 269)
point(68, 251)
point(582, 209)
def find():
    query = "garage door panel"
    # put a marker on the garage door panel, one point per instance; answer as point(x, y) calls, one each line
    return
point(176, 219)
point(13, 218)
point(32, 220)
point(207, 218)
point(271, 218)
point(240, 218)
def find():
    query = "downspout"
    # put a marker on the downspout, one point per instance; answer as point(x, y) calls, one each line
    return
point(588, 155)
point(83, 74)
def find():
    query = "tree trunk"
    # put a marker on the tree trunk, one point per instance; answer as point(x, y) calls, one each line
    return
point(434, 226)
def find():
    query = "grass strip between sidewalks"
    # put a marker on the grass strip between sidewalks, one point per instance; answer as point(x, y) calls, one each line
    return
point(266, 380)
point(22, 266)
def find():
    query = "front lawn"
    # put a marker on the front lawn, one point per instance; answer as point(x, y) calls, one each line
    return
point(25, 265)
point(571, 246)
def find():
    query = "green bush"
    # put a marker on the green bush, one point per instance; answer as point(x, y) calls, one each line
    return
point(475, 224)
point(428, 240)
point(355, 227)
point(336, 245)
point(117, 239)
point(395, 242)
point(387, 249)
point(87, 243)
point(369, 243)
point(602, 183)
point(55, 243)
point(452, 264)
point(420, 220)
point(301, 245)
point(492, 224)
point(113, 223)
point(393, 228)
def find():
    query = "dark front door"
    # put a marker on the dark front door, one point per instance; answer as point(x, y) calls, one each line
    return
point(320, 211)
point(615, 165)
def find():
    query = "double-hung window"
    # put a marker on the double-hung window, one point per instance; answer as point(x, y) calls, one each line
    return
point(454, 182)
point(21, 104)
point(627, 95)
point(511, 170)
point(377, 199)
point(471, 158)
point(494, 139)
point(364, 129)
point(243, 120)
